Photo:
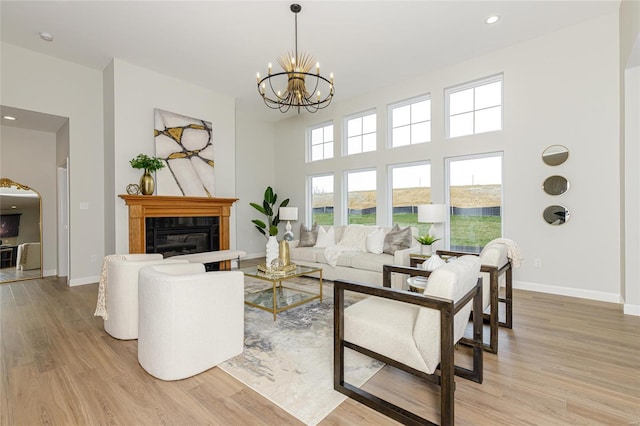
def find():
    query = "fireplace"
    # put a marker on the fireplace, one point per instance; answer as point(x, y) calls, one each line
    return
point(179, 211)
point(173, 236)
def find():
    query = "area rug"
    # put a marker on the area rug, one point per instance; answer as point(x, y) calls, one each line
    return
point(290, 360)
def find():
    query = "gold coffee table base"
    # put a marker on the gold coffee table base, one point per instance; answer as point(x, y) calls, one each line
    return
point(279, 297)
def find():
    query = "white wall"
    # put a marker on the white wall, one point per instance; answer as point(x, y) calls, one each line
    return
point(26, 157)
point(255, 150)
point(41, 83)
point(562, 88)
point(136, 92)
point(630, 144)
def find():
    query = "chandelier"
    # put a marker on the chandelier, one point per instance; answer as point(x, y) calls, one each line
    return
point(304, 89)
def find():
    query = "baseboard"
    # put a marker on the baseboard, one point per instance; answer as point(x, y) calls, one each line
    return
point(568, 291)
point(49, 272)
point(632, 309)
point(84, 280)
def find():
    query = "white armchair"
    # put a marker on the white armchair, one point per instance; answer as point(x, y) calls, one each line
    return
point(413, 332)
point(190, 320)
point(122, 292)
point(496, 271)
point(28, 256)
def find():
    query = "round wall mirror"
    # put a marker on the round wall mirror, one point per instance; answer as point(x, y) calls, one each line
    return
point(556, 215)
point(555, 155)
point(555, 185)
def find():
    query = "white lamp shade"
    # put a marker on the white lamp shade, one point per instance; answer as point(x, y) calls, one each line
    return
point(432, 213)
point(288, 213)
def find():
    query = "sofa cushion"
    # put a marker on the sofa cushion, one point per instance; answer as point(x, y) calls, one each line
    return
point(326, 238)
point(375, 241)
point(307, 254)
point(397, 239)
point(370, 261)
point(308, 236)
point(343, 260)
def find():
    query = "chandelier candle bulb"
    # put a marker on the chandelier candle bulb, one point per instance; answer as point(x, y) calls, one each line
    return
point(269, 68)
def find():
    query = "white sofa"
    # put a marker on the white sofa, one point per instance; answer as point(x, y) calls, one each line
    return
point(363, 266)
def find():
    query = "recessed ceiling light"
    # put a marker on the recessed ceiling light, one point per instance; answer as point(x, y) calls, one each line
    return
point(14, 207)
point(8, 117)
point(492, 19)
point(46, 36)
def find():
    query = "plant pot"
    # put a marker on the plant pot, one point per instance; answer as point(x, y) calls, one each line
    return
point(273, 250)
point(147, 186)
point(425, 249)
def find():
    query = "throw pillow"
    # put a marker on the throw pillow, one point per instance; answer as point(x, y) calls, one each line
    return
point(308, 236)
point(397, 239)
point(375, 241)
point(355, 236)
point(326, 238)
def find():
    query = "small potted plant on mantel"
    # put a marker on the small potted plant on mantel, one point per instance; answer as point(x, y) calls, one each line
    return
point(149, 164)
point(425, 242)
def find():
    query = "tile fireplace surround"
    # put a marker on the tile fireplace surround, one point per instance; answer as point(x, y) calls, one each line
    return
point(144, 206)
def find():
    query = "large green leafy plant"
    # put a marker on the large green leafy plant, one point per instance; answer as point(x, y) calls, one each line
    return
point(267, 208)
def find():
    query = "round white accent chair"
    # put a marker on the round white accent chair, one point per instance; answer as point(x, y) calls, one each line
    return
point(190, 320)
point(122, 292)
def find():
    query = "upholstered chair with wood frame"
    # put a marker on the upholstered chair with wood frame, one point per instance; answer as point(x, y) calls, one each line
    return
point(495, 271)
point(414, 332)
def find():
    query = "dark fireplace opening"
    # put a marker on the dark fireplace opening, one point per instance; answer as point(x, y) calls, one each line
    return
point(173, 236)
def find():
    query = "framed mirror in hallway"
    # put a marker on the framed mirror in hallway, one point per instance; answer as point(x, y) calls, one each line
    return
point(20, 232)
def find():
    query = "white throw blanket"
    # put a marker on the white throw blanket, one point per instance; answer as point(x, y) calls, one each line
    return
point(101, 306)
point(513, 251)
point(332, 253)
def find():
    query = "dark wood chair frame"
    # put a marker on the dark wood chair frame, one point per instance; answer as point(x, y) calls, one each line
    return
point(492, 318)
point(447, 367)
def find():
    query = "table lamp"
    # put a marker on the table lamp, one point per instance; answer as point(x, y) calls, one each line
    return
point(432, 213)
point(288, 214)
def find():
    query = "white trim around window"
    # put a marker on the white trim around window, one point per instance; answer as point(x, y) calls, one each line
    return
point(409, 121)
point(474, 107)
point(360, 133)
point(319, 142)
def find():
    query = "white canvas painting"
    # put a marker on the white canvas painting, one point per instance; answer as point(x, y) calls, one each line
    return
point(186, 146)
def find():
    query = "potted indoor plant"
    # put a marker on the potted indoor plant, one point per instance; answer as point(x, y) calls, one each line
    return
point(270, 228)
point(149, 164)
point(425, 242)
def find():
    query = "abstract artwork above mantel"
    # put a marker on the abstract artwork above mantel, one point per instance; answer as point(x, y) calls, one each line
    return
point(185, 144)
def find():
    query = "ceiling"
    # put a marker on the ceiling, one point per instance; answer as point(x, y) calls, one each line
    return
point(221, 45)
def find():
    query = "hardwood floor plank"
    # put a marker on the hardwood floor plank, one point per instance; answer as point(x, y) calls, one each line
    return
point(566, 361)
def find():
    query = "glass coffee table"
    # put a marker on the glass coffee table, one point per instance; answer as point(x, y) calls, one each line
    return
point(278, 297)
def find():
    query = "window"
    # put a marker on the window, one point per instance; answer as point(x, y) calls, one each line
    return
point(410, 122)
point(361, 133)
point(361, 197)
point(320, 142)
point(410, 186)
point(474, 107)
point(475, 197)
point(322, 199)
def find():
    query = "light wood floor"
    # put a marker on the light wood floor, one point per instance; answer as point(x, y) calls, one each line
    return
point(567, 361)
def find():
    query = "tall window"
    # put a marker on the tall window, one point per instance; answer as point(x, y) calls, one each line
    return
point(361, 197)
point(322, 199)
point(410, 186)
point(474, 107)
point(410, 121)
point(320, 142)
point(475, 197)
point(361, 133)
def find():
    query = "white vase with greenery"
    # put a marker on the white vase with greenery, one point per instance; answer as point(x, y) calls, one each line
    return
point(426, 242)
